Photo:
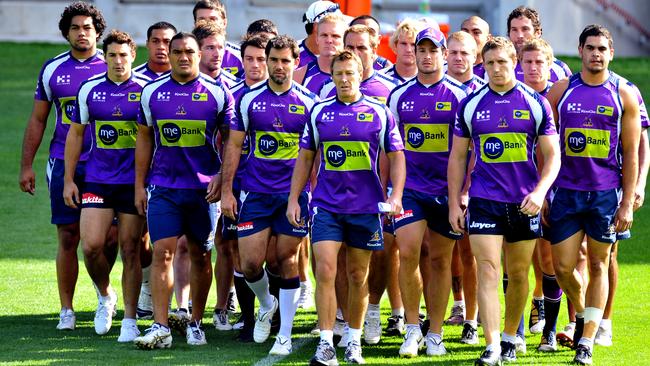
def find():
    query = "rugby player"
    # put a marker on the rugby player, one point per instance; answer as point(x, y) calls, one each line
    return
point(462, 51)
point(158, 36)
point(261, 27)
point(402, 42)
point(480, 30)
point(309, 49)
point(369, 21)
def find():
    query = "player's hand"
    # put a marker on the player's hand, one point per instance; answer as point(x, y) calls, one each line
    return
point(457, 218)
point(71, 194)
point(214, 189)
point(229, 206)
point(27, 180)
point(293, 212)
point(395, 205)
point(141, 200)
point(639, 197)
point(624, 217)
point(532, 203)
point(546, 211)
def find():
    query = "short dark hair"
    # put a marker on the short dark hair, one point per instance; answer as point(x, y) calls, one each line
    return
point(530, 13)
point(261, 26)
point(183, 35)
point(209, 4)
point(595, 30)
point(282, 42)
point(160, 25)
point(119, 37)
point(257, 41)
point(309, 28)
point(347, 55)
point(204, 30)
point(84, 9)
point(364, 17)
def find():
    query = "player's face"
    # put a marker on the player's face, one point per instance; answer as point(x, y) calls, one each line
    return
point(405, 49)
point(119, 58)
point(347, 79)
point(281, 65)
point(254, 64)
point(212, 51)
point(499, 67)
point(330, 38)
point(184, 56)
point(535, 66)
point(82, 34)
point(461, 57)
point(429, 58)
point(210, 15)
point(521, 30)
point(158, 46)
point(596, 54)
point(360, 45)
point(478, 30)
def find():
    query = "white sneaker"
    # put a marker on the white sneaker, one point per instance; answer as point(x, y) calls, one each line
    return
point(604, 337)
point(105, 313)
point(178, 320)
point(155, 337)
point(128, 333)
point(144, 310)
point(325, 355)
point(345, 337)
point(412, 342)
point(372, 327)
point(306, 299)
point(339, 327)
point(435, 347)
point(220, 319)
point(281, 347)
point(520, 345)
point(263, 323)
point(195, 334)
point(353, 353)
point(67, 320)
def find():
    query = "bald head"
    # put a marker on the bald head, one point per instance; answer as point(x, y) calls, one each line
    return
point(478, 28)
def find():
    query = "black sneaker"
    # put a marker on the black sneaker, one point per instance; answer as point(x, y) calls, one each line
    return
point(246, 333)
point(469, 335)
point(488, 358)
point(395, 326)
point(580, 327)
point(548, 343)
point(424, 326)
point(508, 352)
point(583, 355)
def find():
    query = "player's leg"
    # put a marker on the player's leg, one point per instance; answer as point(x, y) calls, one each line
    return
point(470, 288)
point(130, 238)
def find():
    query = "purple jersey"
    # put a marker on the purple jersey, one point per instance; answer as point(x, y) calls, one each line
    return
point(425, 115)
point(58, 83)
point(377, 86)
point(381, 63)
point(227, 79)
point(145, 70)
point(185, 118)
point(315, 77)
point(306, 56)
point(559, 70)
point(504, 128)
point(590, 126)
point(479, 71)
point(232, 60)
point(643, 111)
point(391, 71)
point(111, 111)
point(273, 123)
point(349, 136)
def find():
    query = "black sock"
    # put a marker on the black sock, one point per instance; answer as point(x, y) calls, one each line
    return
point(246, 298)
point(552, 301)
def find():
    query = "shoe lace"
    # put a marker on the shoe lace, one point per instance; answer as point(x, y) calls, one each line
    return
point(324, 350)
point(102, 310)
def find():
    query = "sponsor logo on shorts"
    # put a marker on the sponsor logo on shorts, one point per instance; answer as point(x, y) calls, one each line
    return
point(232, 227)
point(534, 223)
point(481, 225)
point(87, 198)
point(242, 226)
point(405, 215)
point(375, 241)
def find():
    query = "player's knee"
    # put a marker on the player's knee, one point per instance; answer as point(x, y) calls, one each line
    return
point(325, 272)
point(357, 276)
point(597, 268)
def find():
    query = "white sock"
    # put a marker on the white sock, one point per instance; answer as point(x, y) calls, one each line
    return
point(587, 342)
point(538, 298)
point(237, 274)
point(594, 315)
point(472, 323)
point(288, 306)
point(397, 312)
point(494, 347)
point(459, 303)
point(508, 338)
point(606, 324)
point(327, 336)
point(373, 307)
point(436, 337)
point(354, 335)
point(339, 313)
point(261, 289)
point(128, 322)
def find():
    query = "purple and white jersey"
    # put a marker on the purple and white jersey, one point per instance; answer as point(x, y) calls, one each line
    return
point(377, 86)
point(232, 60)
point(145, 70)
point(504, 128)
point(58, 83)
point(227, 79)
point(306, 56)
point(381, 63)
point(185, 118)
point(391, 71)
point(479, 71)
point(273, 123)
point(111, 110)
point(643, 111)
point(559, 70)
point(425, 115)
point(590, 127)
point(349, 137)
point(475, 83)
point(315, 77)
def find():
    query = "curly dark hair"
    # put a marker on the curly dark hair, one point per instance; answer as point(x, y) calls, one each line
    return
point(282, 42)
point(85, 9)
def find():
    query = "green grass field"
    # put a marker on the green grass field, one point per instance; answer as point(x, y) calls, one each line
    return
point(28, 290)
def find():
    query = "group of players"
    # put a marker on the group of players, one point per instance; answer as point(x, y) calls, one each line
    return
point(404, 178)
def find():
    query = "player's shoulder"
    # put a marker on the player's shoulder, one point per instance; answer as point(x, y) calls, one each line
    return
point(387, 80)
point(153, 85)
point(302, 91)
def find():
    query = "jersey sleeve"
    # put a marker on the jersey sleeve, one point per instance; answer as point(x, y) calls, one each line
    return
point(643, 111)
point(547, 123)
point(81, 114)
point(392, 138)
point(309, 139)
point(43, 91)
point(240, 118)
point(227, 111)
point(144, 116)
point(461, 127)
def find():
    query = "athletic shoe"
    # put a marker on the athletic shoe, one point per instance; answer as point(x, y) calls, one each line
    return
point(469, 335)
point(128, 333)
point(239, 323)
point(246, 334)
point(488, 358)
point(603, 337)
point(315, 331)
point(548, 343)
point(144, 310)
point(395, 326)
point(345, 338)
point(457, 316)
point(565, 337)
point(583, 355)
point(155, 337)
point(178, 320)
point(105, 313)
point(353, 353)
point(281, 347)
point(520, 345)
point(372, 327)
point(67, 320)
point(262, 328)
point(508, 352)
point(195, 334)
point(306, 299)
point(232, 302)
point(325, 355)
point(220, 319)
point(537, 318)
point(435, 347)
point(412, 343)
point(339, 327)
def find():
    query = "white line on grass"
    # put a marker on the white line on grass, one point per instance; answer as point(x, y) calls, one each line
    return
point(271, 360)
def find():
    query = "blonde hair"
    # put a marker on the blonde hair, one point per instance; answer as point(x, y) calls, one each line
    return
point(537, 44)
point(408, 27)
point(361, 29)
point(500, 43)
point(332, 18)
point(464, 38)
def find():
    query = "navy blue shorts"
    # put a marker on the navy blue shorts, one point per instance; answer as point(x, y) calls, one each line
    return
point(389, 225)
point(229, 226)
point(263, 210)
point(118, 197)
point(487, 217)
point(173, 212)
point(362, 231)
point(62, 214)
point(421, 206)
point(594, 212)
